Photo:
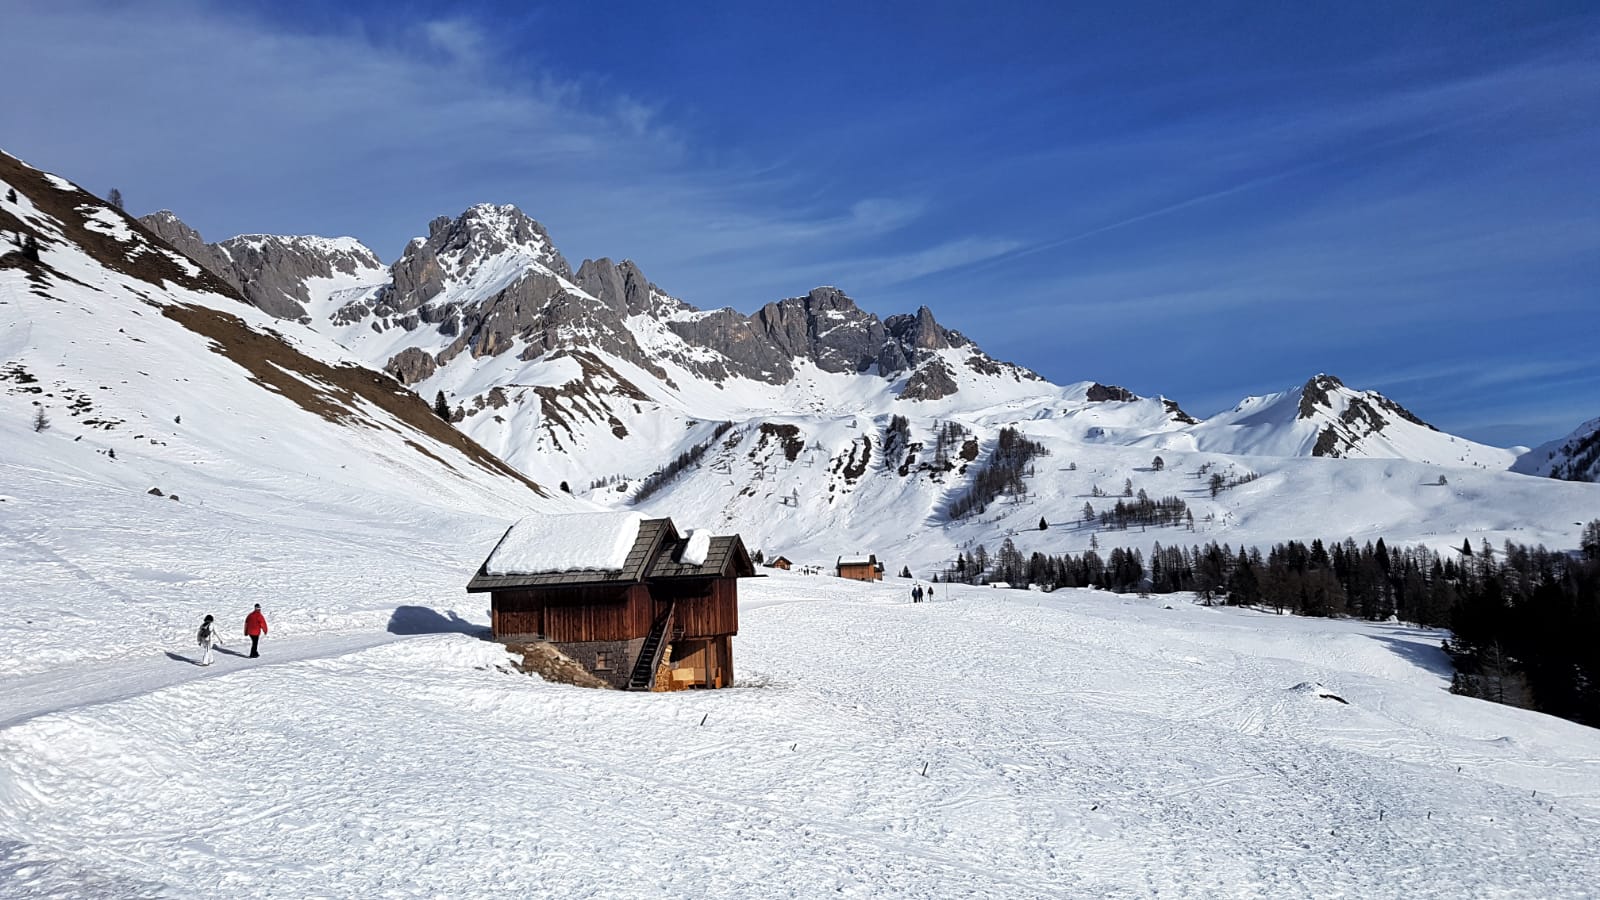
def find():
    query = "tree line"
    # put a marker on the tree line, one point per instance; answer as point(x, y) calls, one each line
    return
point(659, 479)
point(1524, 620)
point(1002, 473)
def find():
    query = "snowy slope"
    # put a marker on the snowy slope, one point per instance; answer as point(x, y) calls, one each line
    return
point(179, 420)
point(1323, 417)
point(986, 744)
point(1575, 457)
point(810, 508)
point(601, 380)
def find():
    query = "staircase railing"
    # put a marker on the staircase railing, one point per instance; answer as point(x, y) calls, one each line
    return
point(643, 677)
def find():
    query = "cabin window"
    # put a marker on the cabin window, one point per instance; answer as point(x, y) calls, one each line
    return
point(602, 661)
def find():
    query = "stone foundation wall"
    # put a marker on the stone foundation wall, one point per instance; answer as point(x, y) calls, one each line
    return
point(620, 656)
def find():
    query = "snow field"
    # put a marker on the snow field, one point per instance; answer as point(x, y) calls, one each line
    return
point(1075, 744)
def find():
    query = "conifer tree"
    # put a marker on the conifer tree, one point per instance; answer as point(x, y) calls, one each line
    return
point(441, 408)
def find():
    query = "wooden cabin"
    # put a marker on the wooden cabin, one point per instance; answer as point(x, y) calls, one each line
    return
point(665, 619)
point(860, 568)
point(781, 562)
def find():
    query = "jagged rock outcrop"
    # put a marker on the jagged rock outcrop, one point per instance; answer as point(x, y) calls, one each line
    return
point(490, 281)
point(1177, 414)
point(482, 246)
point(1352, 415)
point(186, 240)
point(931, 382)
point(1104, 393)
point(620, 286)
point(411, 365)
point(825, 327)
point(271, 271)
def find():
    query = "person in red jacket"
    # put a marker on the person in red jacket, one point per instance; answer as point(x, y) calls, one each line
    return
point(255, 625)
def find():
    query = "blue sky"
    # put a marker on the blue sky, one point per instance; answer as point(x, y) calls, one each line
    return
point(1203, 201)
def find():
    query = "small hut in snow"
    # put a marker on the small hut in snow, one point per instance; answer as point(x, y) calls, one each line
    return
point(781, 562)
point(615, 590)
point(860, 568)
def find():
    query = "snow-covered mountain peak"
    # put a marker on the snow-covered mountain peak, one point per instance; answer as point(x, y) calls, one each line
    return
point(1324, 417)
point(486, 232)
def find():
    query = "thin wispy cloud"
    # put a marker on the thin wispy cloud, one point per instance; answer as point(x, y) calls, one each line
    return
point(433, 118)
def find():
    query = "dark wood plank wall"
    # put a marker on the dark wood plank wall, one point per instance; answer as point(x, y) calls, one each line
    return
point(576, 613)
point(705, 607)
point(617, 621)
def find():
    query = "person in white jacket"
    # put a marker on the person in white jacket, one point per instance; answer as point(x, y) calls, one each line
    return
point(208, 638)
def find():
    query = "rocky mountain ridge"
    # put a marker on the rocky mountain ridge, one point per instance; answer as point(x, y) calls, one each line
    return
point(491, 281)
point(540, 361)
point(834, 455)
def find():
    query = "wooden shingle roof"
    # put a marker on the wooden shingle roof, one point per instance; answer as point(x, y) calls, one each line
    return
point(726, 557)
point(653, 533)
point(656, 553)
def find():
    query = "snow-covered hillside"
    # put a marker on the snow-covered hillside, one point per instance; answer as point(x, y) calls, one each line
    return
point(777, 424)
point(174, 418)
point(1575, 457)
point(832, 497)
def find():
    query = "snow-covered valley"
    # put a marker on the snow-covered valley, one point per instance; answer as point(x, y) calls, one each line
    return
point(988, 743)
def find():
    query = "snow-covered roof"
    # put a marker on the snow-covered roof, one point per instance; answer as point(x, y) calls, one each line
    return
point(568, 550)
point(580, 542)
point(868, 560)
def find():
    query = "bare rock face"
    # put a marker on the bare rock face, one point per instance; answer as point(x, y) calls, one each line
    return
point(1365, 413)
point(411, 365)
point(491, 281)
point(826, 327)
point(186, 240)
point(930, 382)
point(270, 270)
point(1176, 413)
point(921, 332)
point(459, 249)
point(273, 270)
point(620, 286)
point(1105, 393)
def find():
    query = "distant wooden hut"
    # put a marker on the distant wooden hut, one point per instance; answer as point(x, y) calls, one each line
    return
point(860, 568)
point(782, 562)
point(668, 590)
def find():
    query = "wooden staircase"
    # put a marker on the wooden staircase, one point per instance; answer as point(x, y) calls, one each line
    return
point(644, 669)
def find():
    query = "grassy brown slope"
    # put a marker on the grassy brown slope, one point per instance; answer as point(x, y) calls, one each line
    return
point(326, 390)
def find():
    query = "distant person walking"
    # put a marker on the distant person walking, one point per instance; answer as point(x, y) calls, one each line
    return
point(255, 625)
point(207, 638)
point(916, 594)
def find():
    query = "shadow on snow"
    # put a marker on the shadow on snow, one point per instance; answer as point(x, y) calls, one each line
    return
point(426, 620)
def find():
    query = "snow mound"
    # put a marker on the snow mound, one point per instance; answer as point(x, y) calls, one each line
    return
point(580, 542)
point(694, 552)
point(1315, 690)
